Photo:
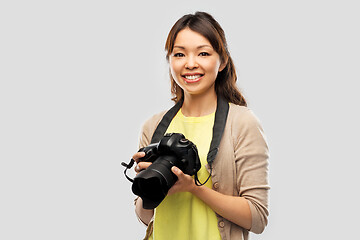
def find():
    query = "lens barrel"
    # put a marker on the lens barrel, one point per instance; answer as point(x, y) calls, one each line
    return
point(153, 183)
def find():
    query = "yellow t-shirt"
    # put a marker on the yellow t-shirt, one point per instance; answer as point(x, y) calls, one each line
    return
point(182, 215)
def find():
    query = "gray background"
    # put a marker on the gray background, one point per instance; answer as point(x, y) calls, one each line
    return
point(78, 78)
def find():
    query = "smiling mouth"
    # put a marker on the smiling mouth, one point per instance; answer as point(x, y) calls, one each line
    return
point(192, 78)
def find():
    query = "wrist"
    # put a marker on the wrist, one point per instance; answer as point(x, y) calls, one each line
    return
point(195, 189)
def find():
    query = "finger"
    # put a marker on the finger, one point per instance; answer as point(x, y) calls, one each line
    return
point(137, 168)
point(138, 155)
point(177, 172)
point(142, 165)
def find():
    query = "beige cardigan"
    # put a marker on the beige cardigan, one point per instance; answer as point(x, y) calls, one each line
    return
point(240, 167)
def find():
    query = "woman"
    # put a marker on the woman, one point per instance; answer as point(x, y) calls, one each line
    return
point(234, 200)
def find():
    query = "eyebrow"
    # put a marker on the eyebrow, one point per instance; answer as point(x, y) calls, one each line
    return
point(198, 47)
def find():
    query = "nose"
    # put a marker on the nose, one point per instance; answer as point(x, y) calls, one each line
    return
point(191, 63)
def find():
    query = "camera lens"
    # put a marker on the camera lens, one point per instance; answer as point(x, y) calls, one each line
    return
point(153, 184)
point(150, 188)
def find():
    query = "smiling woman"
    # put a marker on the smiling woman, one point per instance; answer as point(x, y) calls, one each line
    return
point(194, 64)
point(233, 198)
point(212, 36)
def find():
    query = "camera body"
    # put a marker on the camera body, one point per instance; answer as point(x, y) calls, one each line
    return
point(153, 183)
point(177, 145)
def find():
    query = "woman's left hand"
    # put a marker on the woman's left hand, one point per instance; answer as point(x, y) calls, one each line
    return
point(233, 208)
point(185, 182)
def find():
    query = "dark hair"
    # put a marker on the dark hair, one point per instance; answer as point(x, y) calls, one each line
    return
point(206, 25)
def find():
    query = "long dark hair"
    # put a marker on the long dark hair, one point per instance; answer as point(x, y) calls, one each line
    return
point(206, 25)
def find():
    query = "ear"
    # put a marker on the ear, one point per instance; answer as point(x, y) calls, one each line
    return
point(223, 65)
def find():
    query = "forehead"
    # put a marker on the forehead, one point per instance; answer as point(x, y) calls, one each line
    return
point(188, 38)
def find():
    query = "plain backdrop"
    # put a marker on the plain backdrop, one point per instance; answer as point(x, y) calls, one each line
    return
point(79, 78)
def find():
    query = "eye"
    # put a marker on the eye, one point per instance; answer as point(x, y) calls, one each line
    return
point(179, 55)
point(203, 54)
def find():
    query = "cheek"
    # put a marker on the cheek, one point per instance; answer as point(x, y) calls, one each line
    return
point(213, 67)
point(174, 69)
point(173, 72)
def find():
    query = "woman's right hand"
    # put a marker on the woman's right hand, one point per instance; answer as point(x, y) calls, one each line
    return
point(140, 165)
point(145, 215)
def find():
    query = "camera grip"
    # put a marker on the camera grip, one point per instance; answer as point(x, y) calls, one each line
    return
point(151, 153)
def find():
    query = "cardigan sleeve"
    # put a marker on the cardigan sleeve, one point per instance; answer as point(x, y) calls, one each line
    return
point(251, 159)
point(146, 133)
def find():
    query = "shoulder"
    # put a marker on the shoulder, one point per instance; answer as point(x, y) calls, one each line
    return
point(148, 128)
point(151, 123)
point(243, 121)
point(242, 115)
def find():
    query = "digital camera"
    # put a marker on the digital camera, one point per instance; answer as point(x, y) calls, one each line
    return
point(153, 183)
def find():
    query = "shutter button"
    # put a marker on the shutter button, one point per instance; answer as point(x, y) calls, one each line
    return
point(184, 141)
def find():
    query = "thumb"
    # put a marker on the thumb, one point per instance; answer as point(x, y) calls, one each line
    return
point(177, 171)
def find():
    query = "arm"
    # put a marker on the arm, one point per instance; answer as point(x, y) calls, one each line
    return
point(251, 162)
point(145, 215)
point(235, 209)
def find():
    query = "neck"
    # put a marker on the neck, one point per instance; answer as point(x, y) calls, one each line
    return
point(199, 105)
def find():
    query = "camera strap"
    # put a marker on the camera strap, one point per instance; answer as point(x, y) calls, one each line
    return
point(158, 134)
point(165, 122)
point(221, 114)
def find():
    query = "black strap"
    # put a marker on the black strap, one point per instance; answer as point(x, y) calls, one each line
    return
point(128, 166)
point(165, 122)
point(221, 113)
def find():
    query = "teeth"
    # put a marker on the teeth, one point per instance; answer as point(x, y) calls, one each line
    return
point(192, 77)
